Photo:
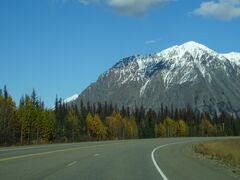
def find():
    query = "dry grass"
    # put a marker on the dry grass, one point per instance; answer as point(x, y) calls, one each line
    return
point(227, 151)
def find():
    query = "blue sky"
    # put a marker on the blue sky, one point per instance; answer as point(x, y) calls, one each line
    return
point(61, 46)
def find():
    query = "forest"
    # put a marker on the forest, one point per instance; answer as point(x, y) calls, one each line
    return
point(30, 122)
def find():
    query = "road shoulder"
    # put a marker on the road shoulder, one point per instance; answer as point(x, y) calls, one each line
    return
point(211, 163)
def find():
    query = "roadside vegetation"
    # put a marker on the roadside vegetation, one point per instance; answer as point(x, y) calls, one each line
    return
point(226, 151)
point(30, 122)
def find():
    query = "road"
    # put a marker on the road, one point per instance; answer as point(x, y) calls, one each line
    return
point(149, 159)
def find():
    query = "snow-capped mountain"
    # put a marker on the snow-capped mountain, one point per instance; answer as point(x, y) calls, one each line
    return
point(188, 74)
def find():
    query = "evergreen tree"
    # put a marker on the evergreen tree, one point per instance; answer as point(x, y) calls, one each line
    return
point(47, 126)
point(7, 119)
point(73, 121)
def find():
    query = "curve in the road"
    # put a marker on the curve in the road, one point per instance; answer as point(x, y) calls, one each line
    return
point(154, 161)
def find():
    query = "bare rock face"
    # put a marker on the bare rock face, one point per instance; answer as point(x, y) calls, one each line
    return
point(189, 74)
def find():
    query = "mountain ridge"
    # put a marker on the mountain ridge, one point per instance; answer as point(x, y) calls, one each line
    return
point(188, 74)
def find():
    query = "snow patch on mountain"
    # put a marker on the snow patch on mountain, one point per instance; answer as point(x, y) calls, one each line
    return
point(234, 57)
point(70, 99)
point(196, 50)
point(142, 90)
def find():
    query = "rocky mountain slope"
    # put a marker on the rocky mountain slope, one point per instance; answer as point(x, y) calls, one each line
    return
point(189, 74)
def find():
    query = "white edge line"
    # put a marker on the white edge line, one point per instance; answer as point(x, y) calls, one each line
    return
point(154, 161)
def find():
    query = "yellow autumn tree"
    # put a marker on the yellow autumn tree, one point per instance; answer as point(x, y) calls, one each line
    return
point(130, 127)
point(182, 128)
point(89, 124)
point(24, 119)
point(171, 127)
point(100, 129)
point(95, 127)
point(115, 126)
point(160, 130)
point(206, 128)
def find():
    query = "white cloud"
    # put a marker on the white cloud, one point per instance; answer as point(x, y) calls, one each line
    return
point(152, 41)
point(221, 9)
point(129, 7)
point(87, 2)
point(134, 7)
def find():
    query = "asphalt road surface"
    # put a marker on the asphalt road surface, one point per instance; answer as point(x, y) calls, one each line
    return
point(164, 158)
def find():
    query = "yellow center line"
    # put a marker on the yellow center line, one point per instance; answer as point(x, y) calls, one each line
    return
point(52, 152)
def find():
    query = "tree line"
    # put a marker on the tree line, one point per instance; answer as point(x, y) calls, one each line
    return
point(30, 122)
